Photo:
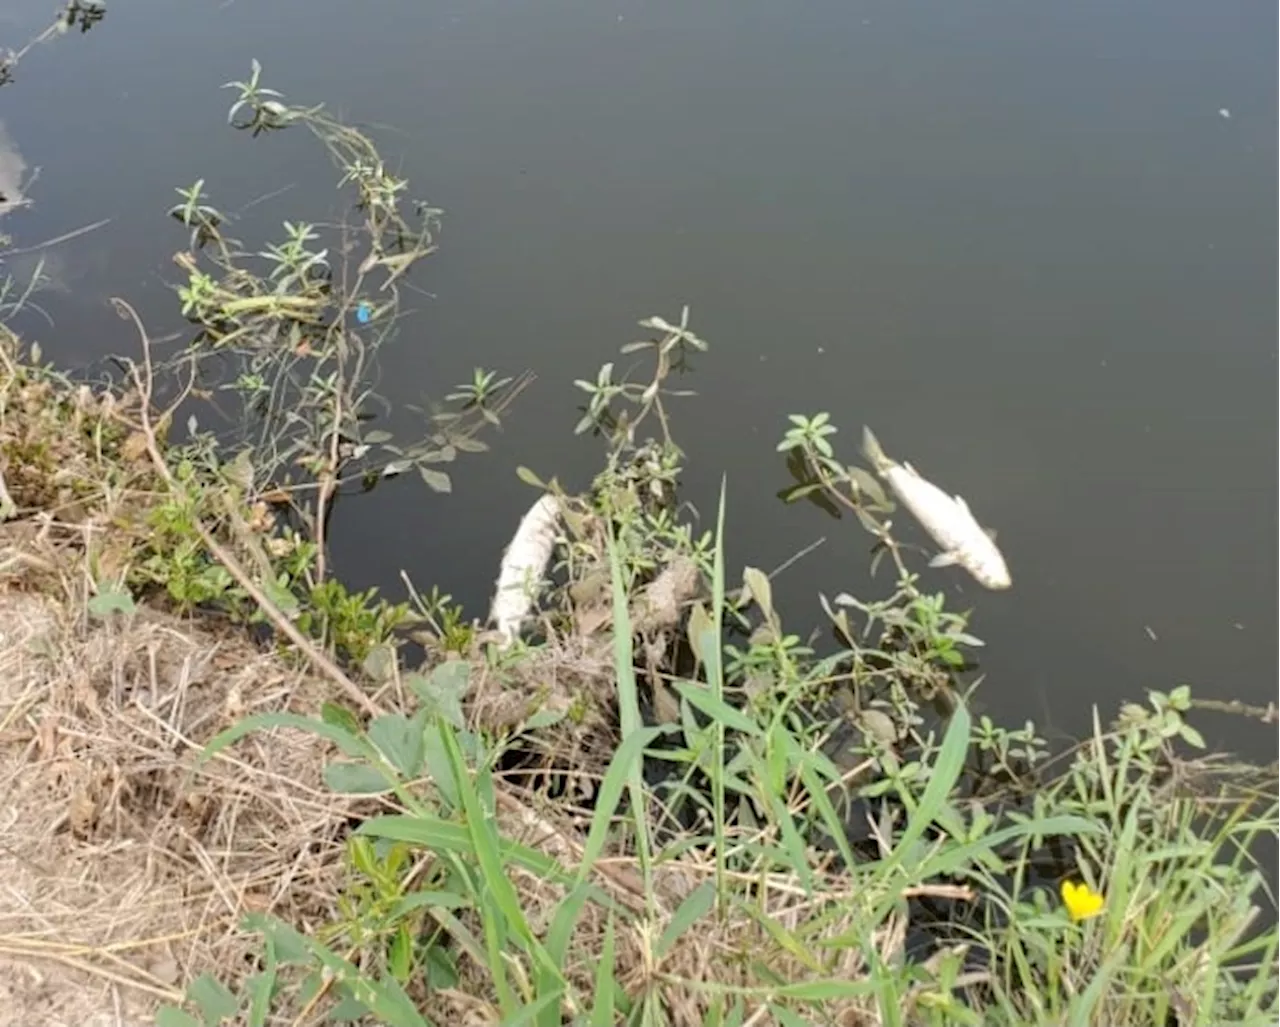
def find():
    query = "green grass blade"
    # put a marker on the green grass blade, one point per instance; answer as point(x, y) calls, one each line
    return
point(691, 910)
point(942, 779)
point(627, 761)
point(602, 1010)
point(350, 744)
point(484, 840)
point(1083, 1006)
point(714, 656)
point(709, 702)
point(446, 837)
point(530, 1012)
point(629, 714)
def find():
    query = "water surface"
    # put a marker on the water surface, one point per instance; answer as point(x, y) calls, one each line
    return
point(1032, 245)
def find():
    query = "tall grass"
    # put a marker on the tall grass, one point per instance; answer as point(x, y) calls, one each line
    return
point(734, 921)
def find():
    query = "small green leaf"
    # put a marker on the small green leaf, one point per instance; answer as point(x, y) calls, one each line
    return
point(699, 626)
point(529, 478)
point(442, 692)
point(1191, 736)
point(282, 946)
point(354, 778)
point(435, 480)
point(757, 583)
point(380, 664)
point(282, 598)
point(213, 998)
point(111, 600)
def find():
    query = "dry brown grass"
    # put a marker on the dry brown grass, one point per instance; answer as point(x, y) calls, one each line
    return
point(120, 860)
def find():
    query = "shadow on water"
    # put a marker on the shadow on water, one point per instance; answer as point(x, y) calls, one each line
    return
point(1034, 244)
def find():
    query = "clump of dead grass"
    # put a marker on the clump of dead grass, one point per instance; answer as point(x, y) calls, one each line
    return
point(122, 859)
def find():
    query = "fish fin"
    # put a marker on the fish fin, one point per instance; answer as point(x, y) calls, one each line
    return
point(962, 504)
point(990, 533)
point(944, 560)
point(872, 451)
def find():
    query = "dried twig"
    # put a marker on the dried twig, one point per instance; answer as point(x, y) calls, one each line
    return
point(143, 382)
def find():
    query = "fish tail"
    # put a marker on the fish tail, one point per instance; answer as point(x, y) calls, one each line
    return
point(872, 451)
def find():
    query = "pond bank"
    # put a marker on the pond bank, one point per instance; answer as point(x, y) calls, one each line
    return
point(483, 832)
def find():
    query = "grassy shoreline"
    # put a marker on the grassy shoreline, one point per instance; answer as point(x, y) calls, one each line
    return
point(652, 802)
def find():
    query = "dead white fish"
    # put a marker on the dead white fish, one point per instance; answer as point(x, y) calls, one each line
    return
point(12, 174)
point(947, 519)
point(523, 565)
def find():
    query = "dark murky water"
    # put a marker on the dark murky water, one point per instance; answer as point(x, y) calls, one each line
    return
point(1032, 245)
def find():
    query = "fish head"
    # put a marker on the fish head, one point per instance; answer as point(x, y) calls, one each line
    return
point(990, 570)
point(997, 578)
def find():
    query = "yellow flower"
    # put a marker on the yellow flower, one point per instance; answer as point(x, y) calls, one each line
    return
point(1081, 901)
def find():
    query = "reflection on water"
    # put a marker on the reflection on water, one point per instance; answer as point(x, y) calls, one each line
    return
point(1022, 242)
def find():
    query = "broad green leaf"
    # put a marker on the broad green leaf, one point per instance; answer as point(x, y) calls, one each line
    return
point(380, 663)
point(213, 998)
point(347, 778)
point(443, 690)
point(399, 739)
point(439, 769)
point(172, 1016)
point(544, 718)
